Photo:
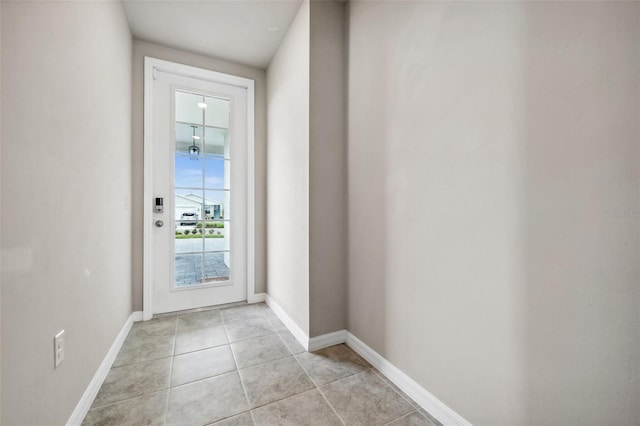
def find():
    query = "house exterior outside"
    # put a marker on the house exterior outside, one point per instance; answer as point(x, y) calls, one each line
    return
point(193, 203)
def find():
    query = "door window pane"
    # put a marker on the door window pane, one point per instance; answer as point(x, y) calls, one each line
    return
point(217, 112)
point(187, 109)
point(217, 172)
point(217, 205)
point(217, 141)
point(216, 236)
point(188, 269)
point(217, 267)
point(188, 161)
point(202, 241)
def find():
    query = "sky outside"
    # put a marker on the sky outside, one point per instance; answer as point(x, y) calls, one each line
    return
point(189, 172)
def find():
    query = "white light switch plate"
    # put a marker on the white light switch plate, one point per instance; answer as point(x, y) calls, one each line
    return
point(58, 348)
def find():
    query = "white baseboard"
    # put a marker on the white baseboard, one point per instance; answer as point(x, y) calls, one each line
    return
point(257, 298)
point(297, 332)
point(420, 395)
point(426, 400)
point(89, 395)
point(327, 340)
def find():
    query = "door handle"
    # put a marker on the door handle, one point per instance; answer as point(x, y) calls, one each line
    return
point(159, 223)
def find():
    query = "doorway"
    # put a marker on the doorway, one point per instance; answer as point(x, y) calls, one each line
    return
point(198, 242)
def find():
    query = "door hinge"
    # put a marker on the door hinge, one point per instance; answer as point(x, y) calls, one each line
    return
point(155, 73)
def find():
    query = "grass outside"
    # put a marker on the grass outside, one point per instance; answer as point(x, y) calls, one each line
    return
point(211, 225)
point(184, 237)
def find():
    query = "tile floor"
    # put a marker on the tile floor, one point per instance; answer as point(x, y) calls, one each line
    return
point(240, 366)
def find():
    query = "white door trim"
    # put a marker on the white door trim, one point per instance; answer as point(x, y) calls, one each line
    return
point(151, 66)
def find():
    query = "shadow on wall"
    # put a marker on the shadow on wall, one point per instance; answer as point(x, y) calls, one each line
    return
point(367, 207)
point(580, 336)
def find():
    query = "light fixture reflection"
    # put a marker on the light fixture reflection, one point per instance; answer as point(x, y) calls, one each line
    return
point(194, 151)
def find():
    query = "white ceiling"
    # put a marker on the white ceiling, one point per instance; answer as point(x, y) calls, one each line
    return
point(242, 31)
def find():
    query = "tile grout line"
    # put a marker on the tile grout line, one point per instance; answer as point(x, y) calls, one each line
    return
point(123, 400)
point(266, 362)
point(285, 345)
point(320, 391)
point(234, 358)
point(144, 393)
point(200, 350)
point(279, 333)
point(266, 404)
point(244, 389)
point(166, 407)
point(406, 398)
point(292, 355)
point(265, 313)
point(253, 420)
point(279, 359)
point(237, 371)
point(401, 417)
point(140, 362)
point(175, 337)
point(168, 389)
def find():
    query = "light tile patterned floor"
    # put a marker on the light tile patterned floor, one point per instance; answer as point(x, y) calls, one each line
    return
point(240, 366)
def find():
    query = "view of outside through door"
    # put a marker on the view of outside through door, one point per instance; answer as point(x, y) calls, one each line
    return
point(202, 189)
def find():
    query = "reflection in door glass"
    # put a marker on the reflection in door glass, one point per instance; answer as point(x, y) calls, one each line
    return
point(202, 190)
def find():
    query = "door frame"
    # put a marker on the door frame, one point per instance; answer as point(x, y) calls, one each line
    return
point(151, 66)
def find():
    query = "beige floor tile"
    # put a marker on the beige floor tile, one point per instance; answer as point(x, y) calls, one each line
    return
point(259, 350)
point(248, 329)
point(147, 410)
point(263, 305)
point(243, 419)
point(241, 313)
point(292, 343)
point(275, 380)
point(136, 349)
point(365, 399)
point(429, 416)
point(276, 323)
point(206, 401)
point(413, 419)
point(197, 339)
point(397, 389)
point(308, 408)
point(206, 389)
point(201, 365)
point(199, 320)
point(134, 380)
point(148, 340)
point(332, 363)
point(165, 326)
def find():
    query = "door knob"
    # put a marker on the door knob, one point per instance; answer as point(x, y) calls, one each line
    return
point(159, 223)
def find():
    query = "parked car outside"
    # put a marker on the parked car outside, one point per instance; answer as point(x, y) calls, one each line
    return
point(188, 219)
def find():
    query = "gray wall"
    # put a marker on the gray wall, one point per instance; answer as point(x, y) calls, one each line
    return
point(0, 212)
point(327, 168)
point(288, 171)
point(487, 144)
point(307, 169)
point(142, 49)
point(66, 182)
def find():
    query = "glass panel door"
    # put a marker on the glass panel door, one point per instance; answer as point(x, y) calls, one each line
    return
point(202, 190)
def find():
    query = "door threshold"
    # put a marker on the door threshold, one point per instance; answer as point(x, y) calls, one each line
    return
point(203, 309)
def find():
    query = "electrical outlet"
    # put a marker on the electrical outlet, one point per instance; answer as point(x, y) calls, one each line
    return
point(58, 348)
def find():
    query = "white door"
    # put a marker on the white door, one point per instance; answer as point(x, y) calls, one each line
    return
point(198, 172)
